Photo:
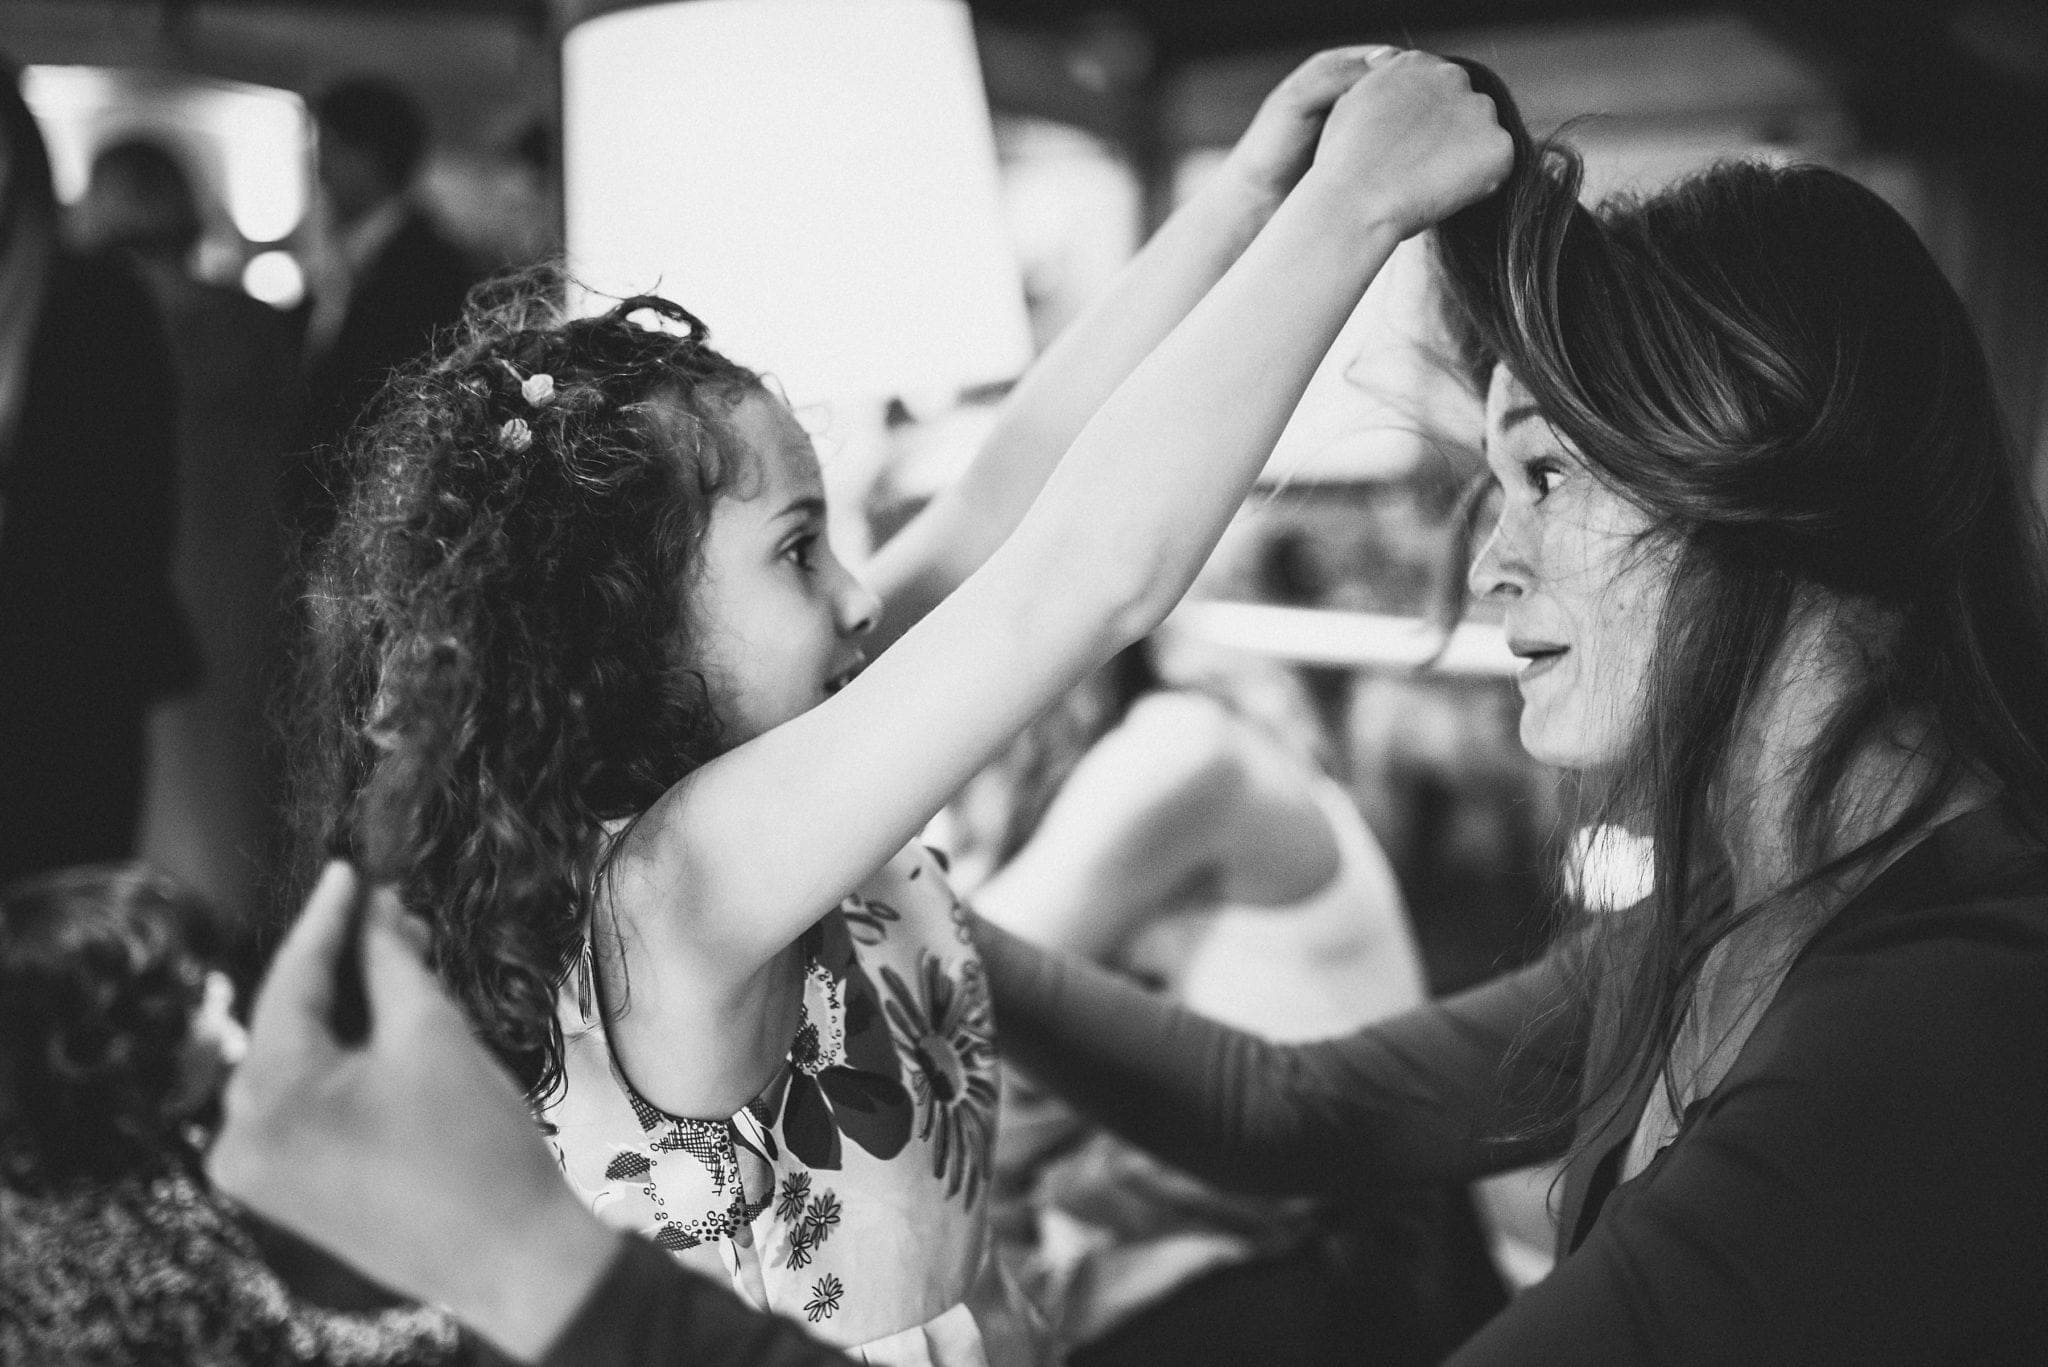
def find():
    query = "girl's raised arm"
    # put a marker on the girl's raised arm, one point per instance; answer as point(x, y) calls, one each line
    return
point(959, 529)
point(755, 845)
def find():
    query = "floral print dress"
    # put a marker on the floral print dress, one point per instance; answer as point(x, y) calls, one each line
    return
point(851, 1193)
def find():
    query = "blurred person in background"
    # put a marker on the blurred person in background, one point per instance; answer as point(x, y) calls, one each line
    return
point(1188, 837)
point(116, 1036)
point(209, 814)
point(389, 278)
point(90, 630)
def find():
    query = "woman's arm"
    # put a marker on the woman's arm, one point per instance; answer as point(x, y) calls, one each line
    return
point(753, 846)
point(964, 523)
point(1418, 1098)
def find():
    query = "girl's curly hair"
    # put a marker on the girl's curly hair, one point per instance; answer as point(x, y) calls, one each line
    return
point(102, 969)
point(496, 641)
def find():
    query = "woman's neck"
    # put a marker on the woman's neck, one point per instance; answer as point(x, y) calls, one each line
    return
point(1764, 834)
point(1770, 846)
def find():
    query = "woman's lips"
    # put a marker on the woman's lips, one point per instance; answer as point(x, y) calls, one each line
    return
point(1540, 657)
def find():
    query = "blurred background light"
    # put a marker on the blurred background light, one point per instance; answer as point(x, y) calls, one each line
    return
point(265, 132)
point(276, 278)
point(245, 146)
point(815, 178)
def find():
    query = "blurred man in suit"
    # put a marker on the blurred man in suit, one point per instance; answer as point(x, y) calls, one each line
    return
point(390, 280)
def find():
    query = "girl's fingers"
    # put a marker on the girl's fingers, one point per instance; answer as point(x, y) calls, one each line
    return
point(1320, 80)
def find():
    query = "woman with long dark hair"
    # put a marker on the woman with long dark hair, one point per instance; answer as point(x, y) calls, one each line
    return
point(1780, 590)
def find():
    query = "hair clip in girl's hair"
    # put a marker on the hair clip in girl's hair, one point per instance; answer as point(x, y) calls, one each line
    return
point(538, 389)
point(514, 435)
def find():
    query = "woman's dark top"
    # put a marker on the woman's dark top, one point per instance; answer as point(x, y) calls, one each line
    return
point(647, 1311)
point(1868, 1183)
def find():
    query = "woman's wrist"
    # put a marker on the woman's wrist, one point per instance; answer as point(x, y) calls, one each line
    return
point(530, 1275)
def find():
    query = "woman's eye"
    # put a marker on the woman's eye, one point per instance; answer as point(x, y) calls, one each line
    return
point(1543, 476)
point(803, 553)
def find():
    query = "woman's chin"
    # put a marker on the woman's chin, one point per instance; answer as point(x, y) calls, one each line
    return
point(1561, 746)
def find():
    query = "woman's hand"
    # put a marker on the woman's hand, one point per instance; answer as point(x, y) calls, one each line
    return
point(1276, 149)
point(410, 1156)
point(1411, 143)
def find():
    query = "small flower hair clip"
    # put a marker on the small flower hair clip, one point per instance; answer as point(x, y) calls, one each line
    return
point(538, 389)
point(514, 435)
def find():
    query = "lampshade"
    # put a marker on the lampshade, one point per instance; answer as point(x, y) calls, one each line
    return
point(816, 179)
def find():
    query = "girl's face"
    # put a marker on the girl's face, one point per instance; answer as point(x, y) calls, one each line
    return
point(776, 619)
point(1582, 594)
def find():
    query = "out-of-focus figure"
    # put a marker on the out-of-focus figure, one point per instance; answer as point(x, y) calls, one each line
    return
point(90, 631)
point(388, 280)
point(213, 789)
point(116, 1034)
point(1197, 845)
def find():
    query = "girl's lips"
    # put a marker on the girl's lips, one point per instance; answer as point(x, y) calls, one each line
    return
point(845, 676)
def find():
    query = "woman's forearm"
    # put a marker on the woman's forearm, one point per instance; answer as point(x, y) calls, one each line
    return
point(1428, 1096)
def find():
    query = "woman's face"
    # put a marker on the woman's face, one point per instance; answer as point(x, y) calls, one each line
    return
point(1580, 590)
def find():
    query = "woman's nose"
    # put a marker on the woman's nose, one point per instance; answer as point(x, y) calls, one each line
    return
point(1502, 570)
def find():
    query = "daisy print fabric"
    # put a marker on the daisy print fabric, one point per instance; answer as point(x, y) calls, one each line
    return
point(849, 1194)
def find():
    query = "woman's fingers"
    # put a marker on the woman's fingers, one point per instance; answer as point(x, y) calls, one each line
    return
point(298, 993)
point(402, 989)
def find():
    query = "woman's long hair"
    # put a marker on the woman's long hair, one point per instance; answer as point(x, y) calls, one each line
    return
point(496, 636)
point(1766, 360)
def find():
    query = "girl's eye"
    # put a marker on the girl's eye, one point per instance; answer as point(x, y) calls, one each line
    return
point(803, 553)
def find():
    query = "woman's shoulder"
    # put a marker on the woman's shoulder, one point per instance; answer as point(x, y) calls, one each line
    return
point(1941, 959)
point(1978, 880)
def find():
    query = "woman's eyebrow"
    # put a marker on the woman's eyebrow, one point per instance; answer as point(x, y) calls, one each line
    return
point(1521, 412)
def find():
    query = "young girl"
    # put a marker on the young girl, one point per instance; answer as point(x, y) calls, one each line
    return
point(583, 612)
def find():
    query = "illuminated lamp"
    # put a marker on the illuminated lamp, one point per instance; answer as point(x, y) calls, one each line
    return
point(816, 179)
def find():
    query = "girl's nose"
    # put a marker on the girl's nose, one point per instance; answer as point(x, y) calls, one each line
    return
point(858, 607)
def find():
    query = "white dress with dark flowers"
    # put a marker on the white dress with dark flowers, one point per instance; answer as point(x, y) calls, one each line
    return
point(851, 1193)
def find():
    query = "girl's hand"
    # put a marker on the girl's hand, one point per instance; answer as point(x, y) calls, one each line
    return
point(1277, 148)
point(1411, 143)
